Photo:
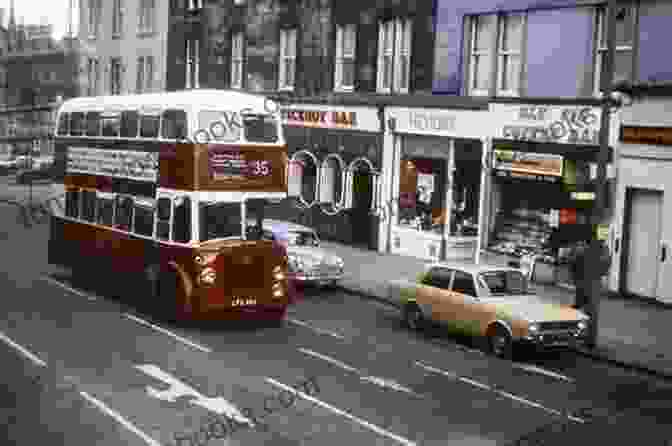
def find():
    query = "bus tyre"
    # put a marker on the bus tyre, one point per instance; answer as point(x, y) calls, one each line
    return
point(167, 304)
point(150, 299)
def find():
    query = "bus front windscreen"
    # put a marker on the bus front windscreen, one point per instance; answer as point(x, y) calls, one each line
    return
point(220, 220)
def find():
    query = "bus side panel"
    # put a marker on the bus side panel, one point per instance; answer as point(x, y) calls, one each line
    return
point(78, 245)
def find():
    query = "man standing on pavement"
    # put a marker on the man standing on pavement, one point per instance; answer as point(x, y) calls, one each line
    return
point(578, 269)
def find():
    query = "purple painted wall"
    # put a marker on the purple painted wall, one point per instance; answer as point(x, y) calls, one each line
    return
point(449, 31)
point(655, 63)
point(559, 52)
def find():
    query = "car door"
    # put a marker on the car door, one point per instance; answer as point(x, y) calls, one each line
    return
point(429, 297)
point(464, 308)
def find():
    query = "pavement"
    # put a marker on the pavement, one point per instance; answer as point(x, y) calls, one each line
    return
point(632, 332)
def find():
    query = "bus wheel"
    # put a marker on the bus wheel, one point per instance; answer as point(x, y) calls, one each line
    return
point(165, 302)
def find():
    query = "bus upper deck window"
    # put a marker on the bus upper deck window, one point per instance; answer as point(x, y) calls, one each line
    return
point(174, 124)
point(149, 126)
point(64, 123)
point(261, 128)
point(129, 124)
point(93, 124)
point(77, 124)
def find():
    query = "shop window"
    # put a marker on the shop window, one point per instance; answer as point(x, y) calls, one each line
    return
point(305, 170)
point(331, 182)
point(623, 55)
point(182, 220)
point(143, 218)
point(72, 204)
point(422, 194)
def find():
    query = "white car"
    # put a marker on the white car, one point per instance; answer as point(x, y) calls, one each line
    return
point(308, 263)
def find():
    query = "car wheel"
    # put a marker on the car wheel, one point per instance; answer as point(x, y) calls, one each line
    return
point(500, 342)
point(413, 317)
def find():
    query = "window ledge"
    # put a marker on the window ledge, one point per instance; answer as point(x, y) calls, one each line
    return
point(286, 88)
point(145, 33)
point(344, 89)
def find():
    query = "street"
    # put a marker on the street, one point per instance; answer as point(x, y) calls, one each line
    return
point(85, 365)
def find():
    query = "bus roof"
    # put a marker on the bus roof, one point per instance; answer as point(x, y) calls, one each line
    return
point(200, 99)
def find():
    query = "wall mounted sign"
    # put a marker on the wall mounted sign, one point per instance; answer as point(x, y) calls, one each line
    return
point(655, 136)
point(437, 122)
point(129, 164)
point(547, 123)
point(322, 116)
point(528, 163)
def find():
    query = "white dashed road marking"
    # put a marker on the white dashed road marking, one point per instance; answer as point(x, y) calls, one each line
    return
point(316, 329)
point(24, 351)
point(68, 288)
point(168, 333)
point(539, 370)
point(382, 382)
point(496, 391)
point(119, 419)
point(361, 422)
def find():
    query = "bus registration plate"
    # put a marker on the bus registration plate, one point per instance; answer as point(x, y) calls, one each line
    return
point(243, 302)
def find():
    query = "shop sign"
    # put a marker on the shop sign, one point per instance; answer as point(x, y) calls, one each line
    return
point(433, 122)
point(552, 124)
point(316, 118)
point(130, 164)
point(655, 136)
point(527, 164)
point(602, 232)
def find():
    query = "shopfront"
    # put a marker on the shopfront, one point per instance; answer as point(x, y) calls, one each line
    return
point(642, 265)
point(541, 184)
point(335, 164)
point(430, 205)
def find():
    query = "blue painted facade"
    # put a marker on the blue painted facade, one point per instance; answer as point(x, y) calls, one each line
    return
point(560, 54)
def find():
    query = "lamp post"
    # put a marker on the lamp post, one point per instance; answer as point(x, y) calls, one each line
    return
point(595, 293)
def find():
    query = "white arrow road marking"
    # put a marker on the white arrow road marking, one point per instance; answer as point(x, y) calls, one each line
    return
point(535, 369)
point(168, 333)
point(316, 329)
point(361, 422)
point(179, 389)
point(382, 382)
point(119, 419)
point(490, 388)
point(24, 351)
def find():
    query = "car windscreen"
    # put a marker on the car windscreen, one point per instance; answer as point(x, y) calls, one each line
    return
point(302, 238)
point(501, 283)
point(220, 220)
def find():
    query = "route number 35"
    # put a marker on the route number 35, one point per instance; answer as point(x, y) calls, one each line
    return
point(261, 168)
point(243, 302)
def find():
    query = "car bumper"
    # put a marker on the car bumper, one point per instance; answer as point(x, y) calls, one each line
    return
point(561, 340)
point(319, 279)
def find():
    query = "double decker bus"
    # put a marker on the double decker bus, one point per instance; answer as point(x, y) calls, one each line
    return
point(170, 188)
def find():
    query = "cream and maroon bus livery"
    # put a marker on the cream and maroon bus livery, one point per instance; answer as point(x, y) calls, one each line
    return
point(162, 187)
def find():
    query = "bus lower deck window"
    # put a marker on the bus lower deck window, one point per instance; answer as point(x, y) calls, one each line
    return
point(72, 204)
point(143, 221)
point(88, 205)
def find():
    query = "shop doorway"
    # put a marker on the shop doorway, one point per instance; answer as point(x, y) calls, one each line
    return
point(642, 236)
point(362, 196)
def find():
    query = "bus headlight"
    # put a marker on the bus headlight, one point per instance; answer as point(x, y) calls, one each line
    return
point(207, 276)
